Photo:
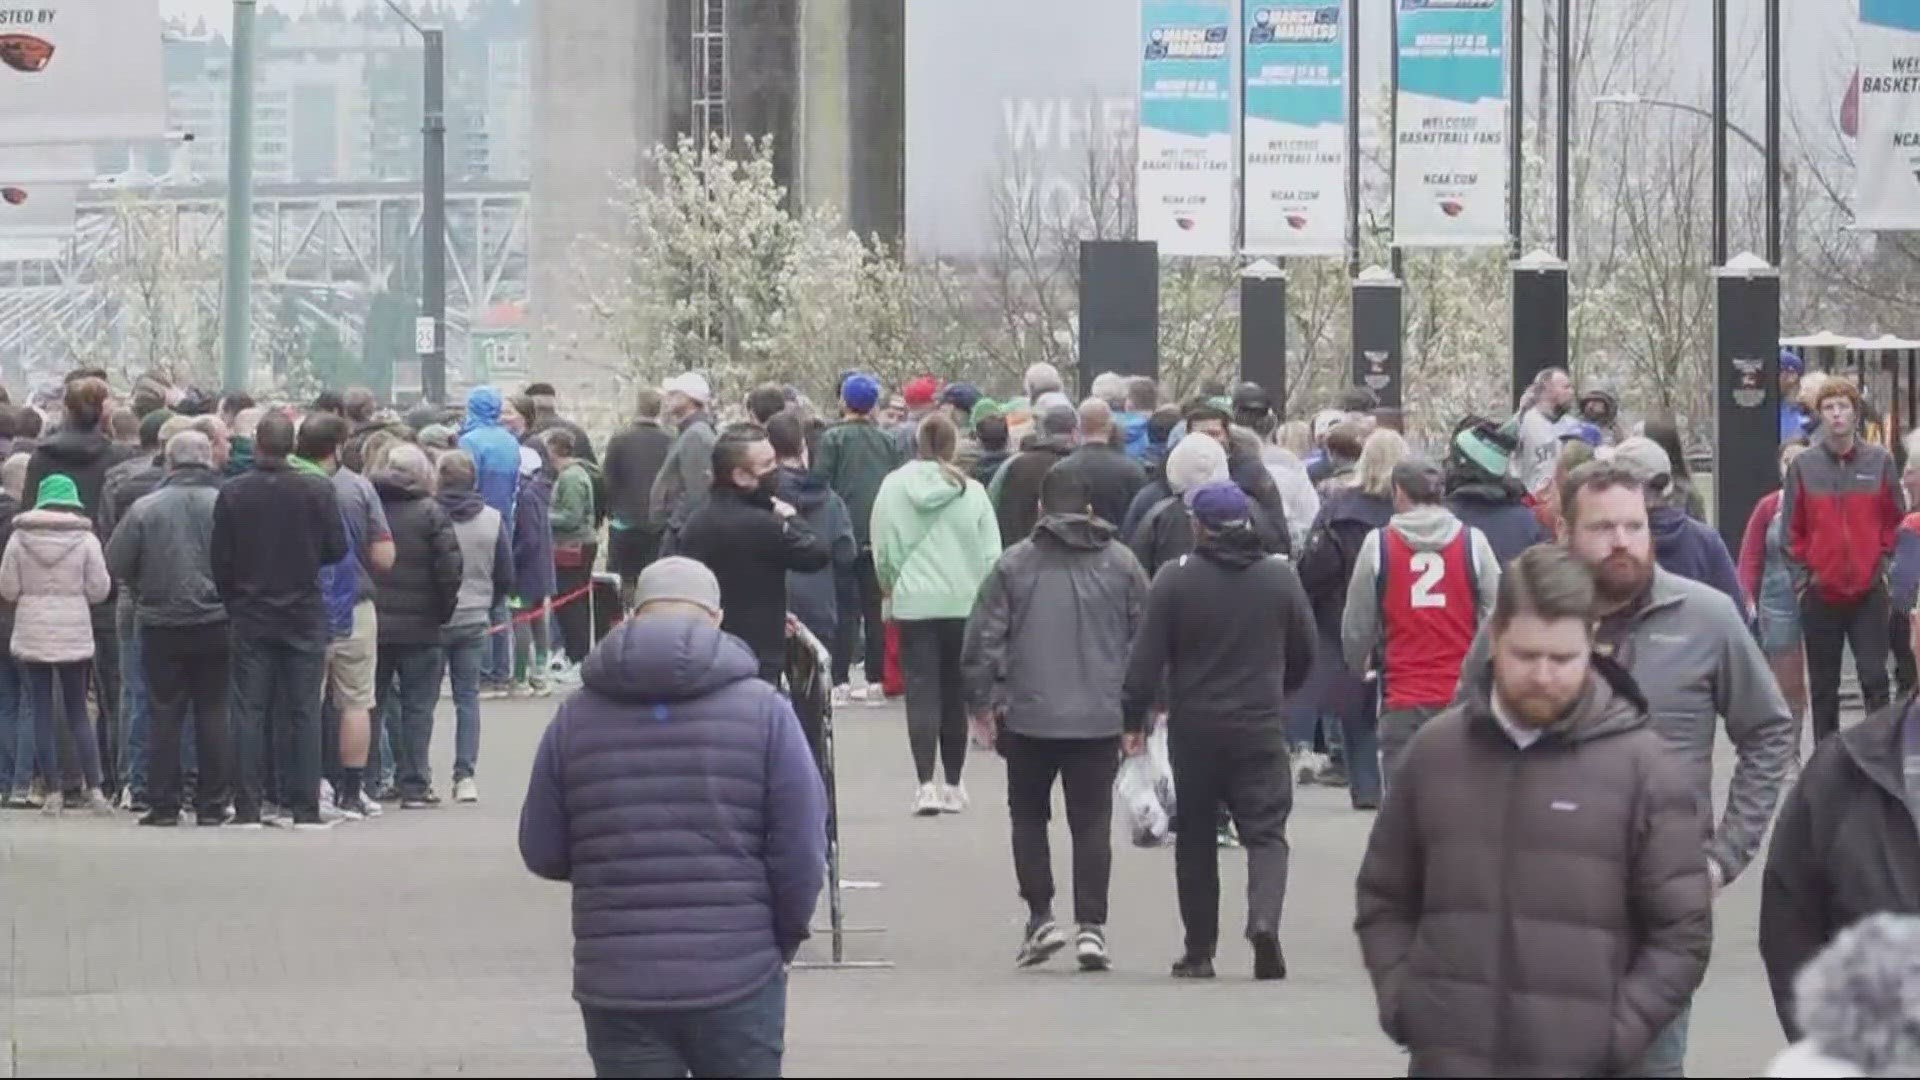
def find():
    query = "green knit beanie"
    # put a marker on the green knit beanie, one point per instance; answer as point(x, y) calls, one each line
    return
point(984, 408)
point(58, 490)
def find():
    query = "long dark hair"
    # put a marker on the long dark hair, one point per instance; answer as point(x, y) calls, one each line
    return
point(937, 440)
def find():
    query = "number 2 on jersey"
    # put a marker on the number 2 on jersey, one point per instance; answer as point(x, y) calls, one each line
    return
point(1432, 567)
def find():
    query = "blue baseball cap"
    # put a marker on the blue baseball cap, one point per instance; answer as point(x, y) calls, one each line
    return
point(1220, 505)
point(1790, 361)
point(861, 392)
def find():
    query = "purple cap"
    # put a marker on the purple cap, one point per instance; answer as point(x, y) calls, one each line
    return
point(1219, 505)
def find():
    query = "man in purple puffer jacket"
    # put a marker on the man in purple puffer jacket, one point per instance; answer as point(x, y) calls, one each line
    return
point(676, 792)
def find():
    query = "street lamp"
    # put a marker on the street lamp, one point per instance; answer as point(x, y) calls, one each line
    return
point(237, 330)
point(430, 333)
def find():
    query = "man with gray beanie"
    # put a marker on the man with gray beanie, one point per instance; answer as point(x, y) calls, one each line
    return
point(1420, 589)
point(1016, 489)
point(1228, 634)
point(1681, 544)
point(679, 798)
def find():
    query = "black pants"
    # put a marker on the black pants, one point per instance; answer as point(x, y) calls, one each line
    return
point(191, 668)
point(576, 618)
point(1900, 644)
point(859, 598)
point(936, 704)
point(1246, 769)
point(68, 752)
point(1086, 768)
point(275, 711)
point(1828, 629)
point(106, 692)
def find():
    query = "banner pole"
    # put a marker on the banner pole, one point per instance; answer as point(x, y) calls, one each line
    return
point(1353, 139)
point(1396, 260)
point(237, 331)
point(1516, 125)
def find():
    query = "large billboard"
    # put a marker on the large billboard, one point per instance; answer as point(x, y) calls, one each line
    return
point(1014, 108)
point(1294, 135)
point(80, 71)
point(1887, 179)
point(1185, 184)
point(1450, 142)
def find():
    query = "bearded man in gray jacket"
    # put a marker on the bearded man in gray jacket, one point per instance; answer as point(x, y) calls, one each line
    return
point(1046, 651)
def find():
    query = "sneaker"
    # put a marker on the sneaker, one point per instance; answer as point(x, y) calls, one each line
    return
point(326, 791)
point(161, 818)
point(332, 814)
point(953, 798)
point(857, 693)
point(876, 697)
point(539, 687)
point(1269, 963)
point(214, 819)
point(1225, 837)
point(1193, 967)
point(275, 817)
point(926, 800)
point(1043, 940)
point(519, 689)
point(364, 808)
point(842, 694)
point(494, 691)
point(126, 798)
point(465, 790)
point(427, 801)
point(315, 823)
point(141, 805)
point(98, 804)
point(1090, 948)
point(19, 799)
point(1333, 774)
point(1307, 765)
point(53, 804)
point(245, 818)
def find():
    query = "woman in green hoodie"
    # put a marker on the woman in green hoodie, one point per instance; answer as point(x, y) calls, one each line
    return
point(935, 538)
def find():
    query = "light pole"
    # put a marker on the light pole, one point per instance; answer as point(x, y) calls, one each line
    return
point(433, 209)
point(237, 331)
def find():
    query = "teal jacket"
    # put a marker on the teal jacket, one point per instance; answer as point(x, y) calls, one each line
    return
point(934, 542)
point(853, 458)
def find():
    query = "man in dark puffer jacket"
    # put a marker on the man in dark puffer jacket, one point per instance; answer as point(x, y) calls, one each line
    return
point(415, 599)
point(677, 794)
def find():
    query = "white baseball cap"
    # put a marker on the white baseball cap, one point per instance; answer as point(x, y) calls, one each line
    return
point(691, 383)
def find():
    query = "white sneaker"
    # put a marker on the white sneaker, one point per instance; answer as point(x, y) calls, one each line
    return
point(842, 695)
point(876, 697)
point(927, 800)
point(953, 798)
point(465, 790)
point(367, 808)
point(1307, 765)
point(857, 693)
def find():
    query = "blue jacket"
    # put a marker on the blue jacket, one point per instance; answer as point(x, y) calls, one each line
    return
point(811, 594)
point(1693, 550)
point(533, 575)
point(677, 793)
point(496, 453)
point(1510, 525)
point(1134, 426)
point(1903, 578)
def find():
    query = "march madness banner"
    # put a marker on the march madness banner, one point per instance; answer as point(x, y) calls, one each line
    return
point(1450, 169)
point(1294, 134)
point(1887, 154)
point(1184, 186)
point(80, 71)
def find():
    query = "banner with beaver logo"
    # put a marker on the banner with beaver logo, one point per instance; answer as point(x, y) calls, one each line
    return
point(75, 71)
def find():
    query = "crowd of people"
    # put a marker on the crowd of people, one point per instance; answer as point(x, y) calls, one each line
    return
point(251, 613)
point(1518, 650)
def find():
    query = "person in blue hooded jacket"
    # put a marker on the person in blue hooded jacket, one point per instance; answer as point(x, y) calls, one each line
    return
point(676, 793)
point(496, 453)
point(1682, 544)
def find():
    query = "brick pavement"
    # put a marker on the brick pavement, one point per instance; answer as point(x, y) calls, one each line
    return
point(417, 945)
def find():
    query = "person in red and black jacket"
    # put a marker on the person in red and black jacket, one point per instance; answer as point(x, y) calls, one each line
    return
point(1843, 506)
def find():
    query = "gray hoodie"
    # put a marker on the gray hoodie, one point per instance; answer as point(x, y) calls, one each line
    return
point(1694, 659)
point(1425, 528)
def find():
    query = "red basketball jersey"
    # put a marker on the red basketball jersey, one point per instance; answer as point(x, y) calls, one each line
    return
point(1427, 613)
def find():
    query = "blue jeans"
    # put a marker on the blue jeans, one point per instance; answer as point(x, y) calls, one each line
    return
point(16, 729)
point(83, 750)
point(1667, 1056)
point(407, 681)
point(1360, 737)
point(276, 709)
point(744, 1038)
point(497, 665)
point(466, 654)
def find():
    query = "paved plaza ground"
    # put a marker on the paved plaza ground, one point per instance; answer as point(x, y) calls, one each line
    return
point(417, 945)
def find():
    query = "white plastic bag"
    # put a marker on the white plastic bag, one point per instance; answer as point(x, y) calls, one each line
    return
point(1144, 789)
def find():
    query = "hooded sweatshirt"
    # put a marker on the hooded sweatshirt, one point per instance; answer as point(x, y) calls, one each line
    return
point(83, 457)
point(496, 453)
point(933, 541)
point(53, 570)
point(677, 794)
point(1684, 546)
point(810, 593)
point(417, 596)
point(1493, 505)
point(1229, 629)
point(486, 557)
point(1424, 671)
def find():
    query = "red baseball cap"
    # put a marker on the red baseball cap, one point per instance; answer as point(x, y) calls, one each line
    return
point(922, 391)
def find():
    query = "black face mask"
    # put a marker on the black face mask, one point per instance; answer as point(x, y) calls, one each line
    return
point(766, 485)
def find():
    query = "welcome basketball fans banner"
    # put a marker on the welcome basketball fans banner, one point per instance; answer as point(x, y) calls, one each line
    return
point(80, 71)
point(1450, 138)
point(1185, 181)
point(1887, 179)
point(1294, 134)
